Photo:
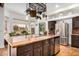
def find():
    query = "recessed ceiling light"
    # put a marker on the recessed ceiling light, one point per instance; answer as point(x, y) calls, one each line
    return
point(57, 6)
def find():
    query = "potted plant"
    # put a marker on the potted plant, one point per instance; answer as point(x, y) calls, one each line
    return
point(12, 34)
point(24, 32)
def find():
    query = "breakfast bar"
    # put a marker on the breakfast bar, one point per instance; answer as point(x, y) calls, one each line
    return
point(35, 46)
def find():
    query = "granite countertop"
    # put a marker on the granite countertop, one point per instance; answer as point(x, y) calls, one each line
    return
point(24, 41)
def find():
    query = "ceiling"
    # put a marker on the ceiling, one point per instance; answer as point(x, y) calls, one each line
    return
point(16, 7)
point(52, 8)
point(60, 10)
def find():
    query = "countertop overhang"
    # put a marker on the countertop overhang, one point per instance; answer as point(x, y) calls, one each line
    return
point(75, 34)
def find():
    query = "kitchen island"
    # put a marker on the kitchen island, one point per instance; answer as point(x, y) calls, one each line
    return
point(35, 46)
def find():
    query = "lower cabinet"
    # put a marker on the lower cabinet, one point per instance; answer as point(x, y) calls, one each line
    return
point(75, 41)
point(51, 47)
point(37, 49)
point(25, 50)
point(47, 47)
point(56, 45)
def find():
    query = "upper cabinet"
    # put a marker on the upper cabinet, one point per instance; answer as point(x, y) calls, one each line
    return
point(75, 30)
point(51, 27)
point(75, 25)
point(76, 22)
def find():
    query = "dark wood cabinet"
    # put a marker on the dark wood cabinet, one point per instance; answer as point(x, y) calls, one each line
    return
point(75, 32)
point(46, 47)
point(76, 22)
point(75, 25)
point(75, 40)
point(51, 47)
point(51, 27)
point(38, 49)
point(25, 50)
point(56, 45)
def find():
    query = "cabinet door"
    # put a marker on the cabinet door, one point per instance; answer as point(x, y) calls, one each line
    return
point(76, 22)
point(38, 49)
point(51, 27)
point(25, 50)
point(56, 45)
point(75, 41)
point(46, 47)
point(52, 46)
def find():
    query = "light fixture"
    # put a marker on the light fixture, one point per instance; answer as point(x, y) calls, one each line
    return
point(56, 5)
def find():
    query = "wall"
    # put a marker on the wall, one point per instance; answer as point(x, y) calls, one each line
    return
point(1, 27)
point(13, 19)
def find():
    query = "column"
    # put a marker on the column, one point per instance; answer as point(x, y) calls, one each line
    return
point(1, 27)
point(10, 24)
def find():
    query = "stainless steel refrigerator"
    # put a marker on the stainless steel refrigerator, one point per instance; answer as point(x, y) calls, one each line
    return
point(62, 29)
